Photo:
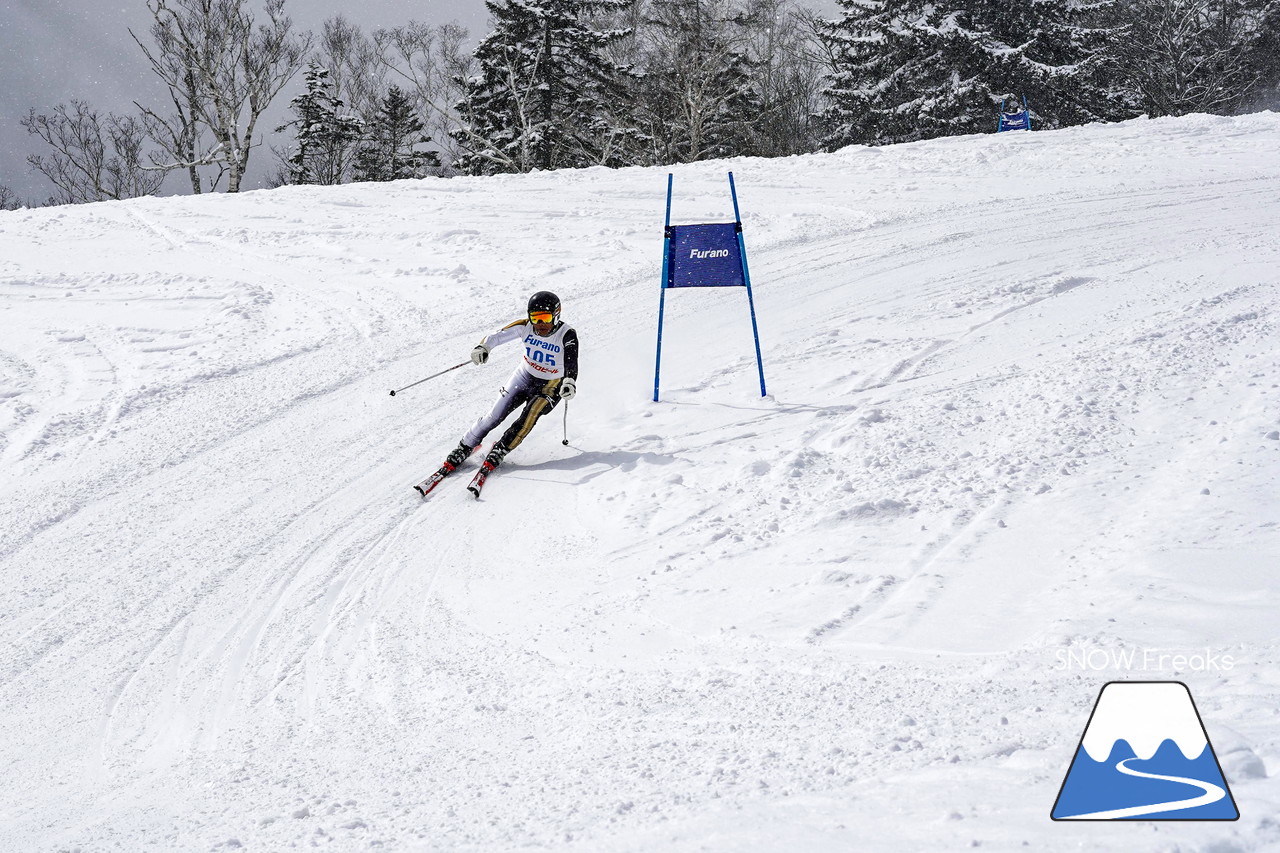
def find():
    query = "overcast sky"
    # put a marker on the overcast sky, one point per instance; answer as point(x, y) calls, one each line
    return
point(54, 50)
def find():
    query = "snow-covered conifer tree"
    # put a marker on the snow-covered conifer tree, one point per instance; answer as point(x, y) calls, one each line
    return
point(326, 135)
point(909, 70)
point(881, 74)
point(698, 99)
point(544, 95)
point(1046, 50)
point(392, 135)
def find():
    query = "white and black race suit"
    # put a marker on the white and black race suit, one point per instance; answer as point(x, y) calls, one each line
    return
point(534, 384)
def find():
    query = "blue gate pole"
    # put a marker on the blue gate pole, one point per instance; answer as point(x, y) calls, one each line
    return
point(1026, 110)
point(746, 278)
point(1000, 121)
point(662, 300)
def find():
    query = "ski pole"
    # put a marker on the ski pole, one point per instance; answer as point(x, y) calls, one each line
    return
point(566, 424)
point(432, 376)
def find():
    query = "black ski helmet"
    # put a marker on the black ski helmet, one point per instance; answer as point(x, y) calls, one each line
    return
point(545, 300)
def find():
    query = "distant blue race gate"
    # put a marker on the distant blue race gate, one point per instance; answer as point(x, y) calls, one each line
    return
point(1014, 118)
point(708, 255)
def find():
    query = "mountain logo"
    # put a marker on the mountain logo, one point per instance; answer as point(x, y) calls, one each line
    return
point(1145, 755)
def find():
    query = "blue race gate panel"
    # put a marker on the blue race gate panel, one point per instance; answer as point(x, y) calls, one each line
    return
point(1012, 118)
point(1015, 121)
point(705, 256)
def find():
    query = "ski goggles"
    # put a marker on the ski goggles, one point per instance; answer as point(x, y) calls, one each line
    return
point(542, 317)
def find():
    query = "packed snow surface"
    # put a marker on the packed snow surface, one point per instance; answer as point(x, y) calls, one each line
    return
point(1022, 438)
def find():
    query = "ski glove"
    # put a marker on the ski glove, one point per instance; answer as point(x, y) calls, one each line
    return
point(568, 388)
point(480, 354)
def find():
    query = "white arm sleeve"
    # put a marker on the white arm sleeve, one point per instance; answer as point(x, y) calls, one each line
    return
point(502, 336)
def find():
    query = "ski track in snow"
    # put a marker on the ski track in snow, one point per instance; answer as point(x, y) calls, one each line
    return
point(825, 619)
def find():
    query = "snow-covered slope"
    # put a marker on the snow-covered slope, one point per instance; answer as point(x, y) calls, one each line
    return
point(1022, 421)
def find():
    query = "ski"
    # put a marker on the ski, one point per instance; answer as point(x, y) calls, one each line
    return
point(456, 458)
point(424, 488)
point(477, 482)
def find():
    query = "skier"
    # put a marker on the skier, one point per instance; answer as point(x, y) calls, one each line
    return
point(547, 374)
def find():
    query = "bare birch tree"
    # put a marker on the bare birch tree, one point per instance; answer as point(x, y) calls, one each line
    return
point(9, 199)
point(787, 67)
point(355, 67)
point(181, 135)
point(699, 97)
point(223, 69)
point(94, 158)
point(1185, 56)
